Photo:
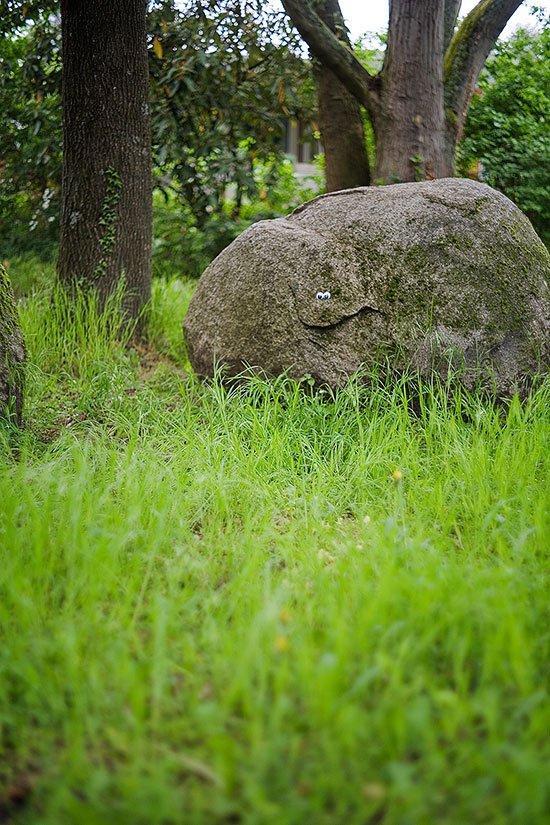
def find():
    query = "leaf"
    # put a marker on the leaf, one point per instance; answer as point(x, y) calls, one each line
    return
point(200, 769)
point(157, 48)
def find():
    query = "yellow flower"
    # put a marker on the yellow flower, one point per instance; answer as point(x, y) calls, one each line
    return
point(282, 644)
point(284, 615)
point(397, 475)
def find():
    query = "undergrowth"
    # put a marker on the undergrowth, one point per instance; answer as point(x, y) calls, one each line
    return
point(256, 604)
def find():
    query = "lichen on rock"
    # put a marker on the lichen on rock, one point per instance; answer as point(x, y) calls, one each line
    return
point(12, 353)
point(445, 275)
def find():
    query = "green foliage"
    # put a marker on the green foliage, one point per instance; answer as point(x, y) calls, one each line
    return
point(508, 129)
point(18, 13)
point(30, 130)
point(181, 243)
point(225, 77)
point(108, 218)
point(227, 606)
point(369, 49)
point(29, 273)
point(221, 92)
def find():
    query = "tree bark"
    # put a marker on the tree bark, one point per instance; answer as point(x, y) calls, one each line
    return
point(452, 8)
point(410, 132)
point(340, 122)
point(106, 217)
point(342, 134)
point(418, 102)
point(331, 52)
point(12, 353)
point(465, 57)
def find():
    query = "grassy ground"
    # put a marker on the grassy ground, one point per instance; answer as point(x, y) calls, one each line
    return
point(261, 606)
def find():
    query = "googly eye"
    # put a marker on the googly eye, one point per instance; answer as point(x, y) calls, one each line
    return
point(327, 296)
point(320, 296)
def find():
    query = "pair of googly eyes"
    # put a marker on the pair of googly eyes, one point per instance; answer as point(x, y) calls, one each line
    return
point(323, 296)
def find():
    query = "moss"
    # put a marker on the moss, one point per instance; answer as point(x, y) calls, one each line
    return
point(499, 297)
point(392, 291)
point(419, 167)
point(460, 242)
point(458, 49)
point(535, 251)
point(469, 209)
point(452, 243)
point(8, 313)
point(11, 352)
point(451, 117)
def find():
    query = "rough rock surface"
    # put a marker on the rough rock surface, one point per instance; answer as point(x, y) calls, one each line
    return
point(431, 274)
point(12, 353)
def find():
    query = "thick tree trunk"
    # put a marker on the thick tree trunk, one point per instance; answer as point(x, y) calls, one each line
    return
point(418, 102)
point(340, 122)
point(410, 126)
point(12, 353)
point(106, 210)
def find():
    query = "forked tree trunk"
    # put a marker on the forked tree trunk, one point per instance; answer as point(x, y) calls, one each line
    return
point(340, 122)
point(106, 192)
point(419, 101)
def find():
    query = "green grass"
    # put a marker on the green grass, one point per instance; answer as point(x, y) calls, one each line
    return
point(223, 607)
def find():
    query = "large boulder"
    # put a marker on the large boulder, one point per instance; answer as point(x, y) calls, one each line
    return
point(12, 353)
point(430, 275)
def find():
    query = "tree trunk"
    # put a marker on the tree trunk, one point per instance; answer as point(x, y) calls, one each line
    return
point(418, 102)
point(410, 124)
point(106, 217)
point(340, 122)
point(466, 54)
point(12, 353)
point(342, 134)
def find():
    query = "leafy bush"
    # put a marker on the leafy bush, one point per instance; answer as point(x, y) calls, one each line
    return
point(225, 77)
point(30, 136)
point(183, 244)
point(508, 129)
point(221, 92)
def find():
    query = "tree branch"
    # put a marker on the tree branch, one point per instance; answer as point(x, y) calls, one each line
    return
point(332, 52)
point(467, 53)
point(340, 121)
point(452, 7)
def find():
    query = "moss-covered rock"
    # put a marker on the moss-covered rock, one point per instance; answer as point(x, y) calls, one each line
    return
point(12, 353)
point(439, 274)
